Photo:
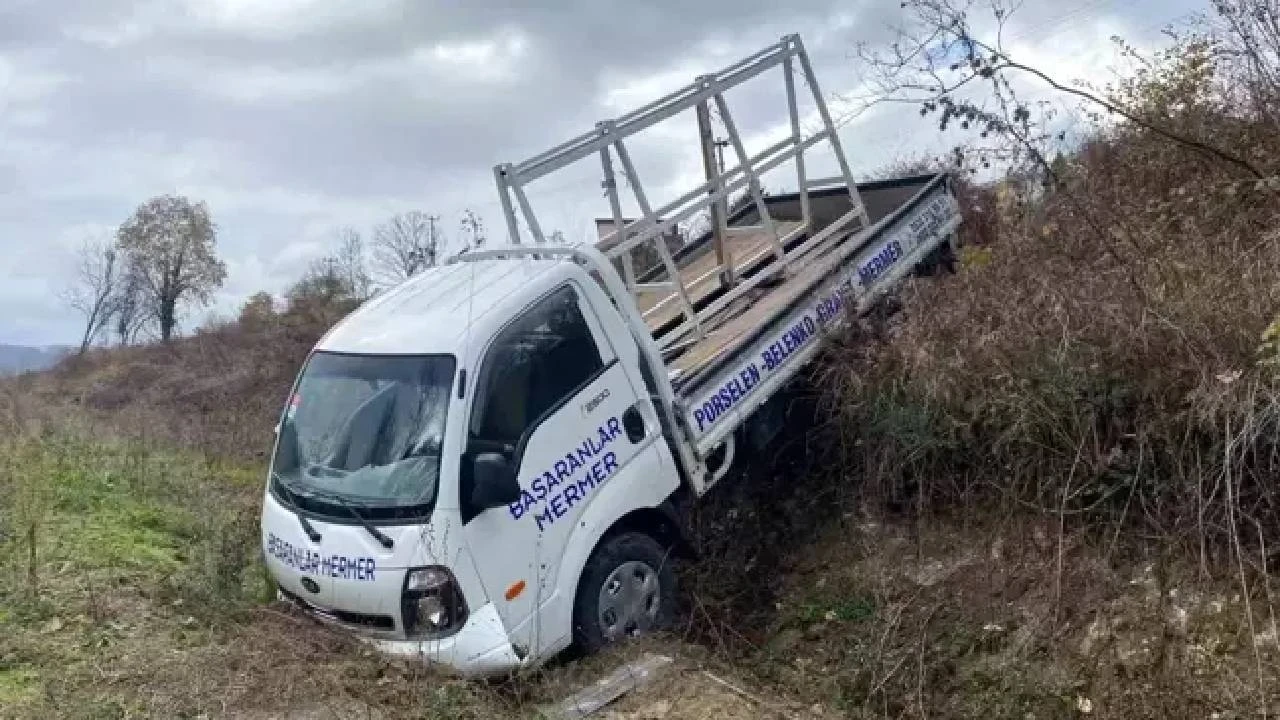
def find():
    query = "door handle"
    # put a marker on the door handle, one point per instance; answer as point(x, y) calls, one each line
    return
point(633, 423)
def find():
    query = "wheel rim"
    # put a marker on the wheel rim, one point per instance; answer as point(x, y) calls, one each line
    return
point(630, 599)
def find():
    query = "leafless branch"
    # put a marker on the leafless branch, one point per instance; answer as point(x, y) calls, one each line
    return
point(941, 29)
point(93, 289)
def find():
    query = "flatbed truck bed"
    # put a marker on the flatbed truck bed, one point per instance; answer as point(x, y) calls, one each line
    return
point(750, 347)
point(727, 374)
point(726, 320)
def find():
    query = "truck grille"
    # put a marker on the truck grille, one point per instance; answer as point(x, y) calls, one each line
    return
point(364, 621)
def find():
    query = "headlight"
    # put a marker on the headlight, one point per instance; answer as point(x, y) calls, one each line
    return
point(431, 603)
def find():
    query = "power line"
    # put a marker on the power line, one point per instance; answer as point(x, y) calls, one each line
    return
point(1057, 22)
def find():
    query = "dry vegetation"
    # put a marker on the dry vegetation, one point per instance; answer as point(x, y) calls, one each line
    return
point(1103, 368)
point(1098, 358)
point(1043, 487)
point(217, 392)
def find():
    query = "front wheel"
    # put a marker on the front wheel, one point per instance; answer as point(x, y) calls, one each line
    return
point(627, 589)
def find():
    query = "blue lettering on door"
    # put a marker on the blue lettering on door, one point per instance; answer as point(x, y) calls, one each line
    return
point(552, 495)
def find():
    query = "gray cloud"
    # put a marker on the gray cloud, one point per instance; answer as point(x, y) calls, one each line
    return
point(293, 118)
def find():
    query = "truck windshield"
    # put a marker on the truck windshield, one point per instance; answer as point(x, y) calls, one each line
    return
point(364, 431)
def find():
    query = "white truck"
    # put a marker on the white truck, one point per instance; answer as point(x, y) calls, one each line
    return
point(487, 463)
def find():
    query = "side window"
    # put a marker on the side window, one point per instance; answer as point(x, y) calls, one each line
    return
point(537, 361)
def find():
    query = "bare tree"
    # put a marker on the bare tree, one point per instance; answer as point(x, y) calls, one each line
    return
point(471, 231)
point(324, 291)
point(1248, 33)
point(93, 290)
point(334, 284)
point(170, 245)
point(938, 60)
point(258, 311)
point(405, 245)
point(350, 263)
point(322, 284)
point(129, 316)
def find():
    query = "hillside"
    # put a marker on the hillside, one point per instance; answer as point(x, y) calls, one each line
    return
point(143, 597)
point(218, 391)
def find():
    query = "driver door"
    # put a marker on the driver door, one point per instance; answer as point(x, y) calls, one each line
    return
point(552, 397)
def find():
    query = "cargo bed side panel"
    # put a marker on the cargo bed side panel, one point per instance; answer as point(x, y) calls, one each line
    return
point(751, 375)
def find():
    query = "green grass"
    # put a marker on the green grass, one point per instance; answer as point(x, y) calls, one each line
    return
point(121, 540)
point(113, 506)
point(146, 598)
point(138, 552)
point(854, 608)
point(18, 687)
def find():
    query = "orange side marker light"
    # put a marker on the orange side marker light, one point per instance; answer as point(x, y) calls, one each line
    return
point(514, 591)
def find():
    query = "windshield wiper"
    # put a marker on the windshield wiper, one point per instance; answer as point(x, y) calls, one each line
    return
point(307, 527)
point(337, 499)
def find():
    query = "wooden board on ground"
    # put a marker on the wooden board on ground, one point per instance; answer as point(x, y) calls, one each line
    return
point(626, 678)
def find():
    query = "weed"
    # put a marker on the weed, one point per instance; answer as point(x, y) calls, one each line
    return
point(24, 465)
point(18, 686)
point(856, 609)
point(853, 609)
point(116, 527)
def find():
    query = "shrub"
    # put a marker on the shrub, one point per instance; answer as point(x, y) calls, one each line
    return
point(1098, 357)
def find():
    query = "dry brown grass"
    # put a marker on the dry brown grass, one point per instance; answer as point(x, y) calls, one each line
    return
point(1100, 359)
point(218, 391)
point(1091, 389)
point(879, 621)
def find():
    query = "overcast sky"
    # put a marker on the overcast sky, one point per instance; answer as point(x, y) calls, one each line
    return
point(291, 118)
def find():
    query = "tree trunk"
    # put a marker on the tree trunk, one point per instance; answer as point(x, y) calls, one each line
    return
point(88, 335)
point(167, 319)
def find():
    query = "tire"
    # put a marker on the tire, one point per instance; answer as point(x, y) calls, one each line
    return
point(940, 261)
point(623, 567)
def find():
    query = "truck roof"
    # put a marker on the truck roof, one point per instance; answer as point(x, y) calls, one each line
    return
point(429, 312)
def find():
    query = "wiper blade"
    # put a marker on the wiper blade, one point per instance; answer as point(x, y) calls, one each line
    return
point(307, 527)
point(337, 499)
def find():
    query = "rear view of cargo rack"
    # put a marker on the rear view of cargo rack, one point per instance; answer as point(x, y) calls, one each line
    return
point(683, 304)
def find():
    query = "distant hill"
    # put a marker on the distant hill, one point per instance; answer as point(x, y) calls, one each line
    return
point(15, 359)
point(217, 390)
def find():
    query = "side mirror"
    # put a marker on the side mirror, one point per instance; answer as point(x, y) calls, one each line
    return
point(493, 482)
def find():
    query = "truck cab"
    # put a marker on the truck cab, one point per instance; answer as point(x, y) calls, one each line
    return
point(489, 420)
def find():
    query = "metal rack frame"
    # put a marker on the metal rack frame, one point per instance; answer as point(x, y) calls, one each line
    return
point(608, 141)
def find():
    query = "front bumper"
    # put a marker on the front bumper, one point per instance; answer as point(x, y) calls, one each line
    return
point(480, 647)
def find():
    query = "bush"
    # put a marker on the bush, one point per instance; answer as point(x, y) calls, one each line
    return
point(1098, 358)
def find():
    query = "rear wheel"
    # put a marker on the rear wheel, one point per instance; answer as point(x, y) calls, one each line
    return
point(940, 260)
point(627, 589)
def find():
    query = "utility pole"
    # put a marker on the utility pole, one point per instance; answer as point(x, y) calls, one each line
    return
point(719, 209)
point(433, 244)
point(721, 144)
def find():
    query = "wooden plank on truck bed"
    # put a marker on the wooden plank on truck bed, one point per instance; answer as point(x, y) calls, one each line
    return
point(771, 302)
point(700, 276)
